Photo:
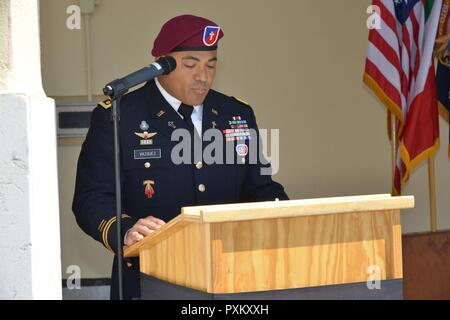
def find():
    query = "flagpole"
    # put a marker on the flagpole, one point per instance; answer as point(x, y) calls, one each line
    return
point(432, 194)
point(394, 147)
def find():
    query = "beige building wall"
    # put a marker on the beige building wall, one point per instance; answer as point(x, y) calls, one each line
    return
point(299, 63)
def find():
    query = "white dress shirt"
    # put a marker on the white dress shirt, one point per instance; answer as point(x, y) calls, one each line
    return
point(175, 104)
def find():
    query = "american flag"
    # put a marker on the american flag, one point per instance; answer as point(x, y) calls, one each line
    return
point(400, 71)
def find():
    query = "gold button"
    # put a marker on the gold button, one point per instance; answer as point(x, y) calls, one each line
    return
point(147, 165)
point(199, 165)
point(129, 264)
point(201, 187)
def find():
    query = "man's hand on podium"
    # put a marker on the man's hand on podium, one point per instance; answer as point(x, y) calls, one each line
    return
point(142, 228)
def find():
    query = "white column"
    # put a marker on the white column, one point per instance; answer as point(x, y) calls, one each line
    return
point(30, 263)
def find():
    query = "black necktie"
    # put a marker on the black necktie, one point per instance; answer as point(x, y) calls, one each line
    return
point(186, 112)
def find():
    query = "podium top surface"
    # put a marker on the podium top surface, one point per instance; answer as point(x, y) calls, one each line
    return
point(272, 210)
point(294, 208)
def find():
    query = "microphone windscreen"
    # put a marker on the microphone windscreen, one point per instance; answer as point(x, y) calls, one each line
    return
point(168, 64)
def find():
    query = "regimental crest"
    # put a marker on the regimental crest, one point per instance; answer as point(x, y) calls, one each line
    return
point(211, 35)
point(106, 104)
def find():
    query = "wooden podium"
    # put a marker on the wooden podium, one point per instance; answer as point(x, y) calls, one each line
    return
point(330, 248)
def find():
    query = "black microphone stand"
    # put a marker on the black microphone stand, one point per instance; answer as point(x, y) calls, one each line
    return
point(116, 96)
point(115, 90)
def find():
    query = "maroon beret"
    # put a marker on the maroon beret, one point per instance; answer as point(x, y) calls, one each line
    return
point(187, 33)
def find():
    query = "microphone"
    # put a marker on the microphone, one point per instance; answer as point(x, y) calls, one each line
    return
point(118, 87)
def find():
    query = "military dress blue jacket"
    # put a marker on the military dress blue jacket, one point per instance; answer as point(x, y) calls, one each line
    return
point(151, 183)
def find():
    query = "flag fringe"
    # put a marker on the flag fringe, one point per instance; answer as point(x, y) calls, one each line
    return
point(391, 105)
point(412, 164)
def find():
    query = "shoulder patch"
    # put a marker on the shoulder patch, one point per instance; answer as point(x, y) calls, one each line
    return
point(241, 101)
point(106, 104)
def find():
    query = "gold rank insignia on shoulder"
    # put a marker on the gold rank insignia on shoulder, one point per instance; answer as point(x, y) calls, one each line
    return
point(106, 104)
point(146, 137)
point(160, 113)
point(241, 101)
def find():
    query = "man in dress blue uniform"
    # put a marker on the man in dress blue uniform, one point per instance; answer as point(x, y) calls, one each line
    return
point(154, 188)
